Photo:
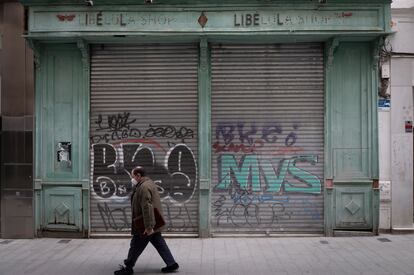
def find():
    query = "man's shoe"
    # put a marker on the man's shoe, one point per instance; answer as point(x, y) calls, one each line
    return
point(124, 271)
point(170, 268)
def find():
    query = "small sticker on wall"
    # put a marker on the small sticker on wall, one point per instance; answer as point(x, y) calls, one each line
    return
point(408, 126)
point(384, 104)
point(385, 190)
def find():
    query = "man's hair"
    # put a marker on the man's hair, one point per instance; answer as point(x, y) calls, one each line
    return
point(138, 170)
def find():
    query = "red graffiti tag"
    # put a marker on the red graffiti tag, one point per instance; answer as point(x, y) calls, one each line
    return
point(235, 148)
point(66, 17)
point(287, 150)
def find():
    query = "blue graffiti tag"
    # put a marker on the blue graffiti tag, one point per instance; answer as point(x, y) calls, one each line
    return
point(247, 173)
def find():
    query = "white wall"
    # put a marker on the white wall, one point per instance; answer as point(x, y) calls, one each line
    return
point(384, 141)
point(402, 70)
point(403, 26)
point(395, 145)
point(402, 4)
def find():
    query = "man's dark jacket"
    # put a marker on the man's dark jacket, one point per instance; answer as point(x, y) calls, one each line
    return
point(144, 199)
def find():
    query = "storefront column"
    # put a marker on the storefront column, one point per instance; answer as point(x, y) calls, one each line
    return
point(330, 49)
point(62, 163)
point(351, 173)
point(204, 137)
point(376, 46)
point(83, 46)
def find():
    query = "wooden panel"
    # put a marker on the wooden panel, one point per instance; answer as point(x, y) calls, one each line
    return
point(61, 116)
point(353, 204)
point(61, 112)
point(350, 111)
point(62, 208)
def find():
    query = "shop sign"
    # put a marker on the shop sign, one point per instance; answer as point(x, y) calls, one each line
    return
point(212, 21)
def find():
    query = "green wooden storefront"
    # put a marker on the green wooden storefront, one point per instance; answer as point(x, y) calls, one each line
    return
point(256, 117)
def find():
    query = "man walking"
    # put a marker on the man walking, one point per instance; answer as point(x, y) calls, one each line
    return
point(144, 199)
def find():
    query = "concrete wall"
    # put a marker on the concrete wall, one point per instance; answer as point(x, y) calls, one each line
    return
point(395, 145)
point(401, 87)
point(384, 140)
point(1, 46)
point(17, 108)
point(403, 25)
point(402, 142)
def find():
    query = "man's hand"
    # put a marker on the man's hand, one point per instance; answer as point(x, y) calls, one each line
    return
point(148, 231)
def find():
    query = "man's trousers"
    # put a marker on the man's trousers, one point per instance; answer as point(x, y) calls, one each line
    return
point(139, 243)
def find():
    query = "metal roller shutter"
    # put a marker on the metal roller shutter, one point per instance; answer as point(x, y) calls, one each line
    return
point(143, 112)
point(267, 135)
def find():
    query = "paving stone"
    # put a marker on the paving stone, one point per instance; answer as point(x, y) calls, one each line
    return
point(220, 256)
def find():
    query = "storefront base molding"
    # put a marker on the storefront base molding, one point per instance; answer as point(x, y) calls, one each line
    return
point(402, 230)
point(128, 235)
point(353, 209)
point(62, 234)
point(272, 235)
point(351, 233)
point(60, 210)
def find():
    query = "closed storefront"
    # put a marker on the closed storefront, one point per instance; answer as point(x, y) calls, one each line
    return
point(253, 118)
point(267, 135)
point(143, 112)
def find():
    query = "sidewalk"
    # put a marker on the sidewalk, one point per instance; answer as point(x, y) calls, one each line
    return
point(253, 256)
